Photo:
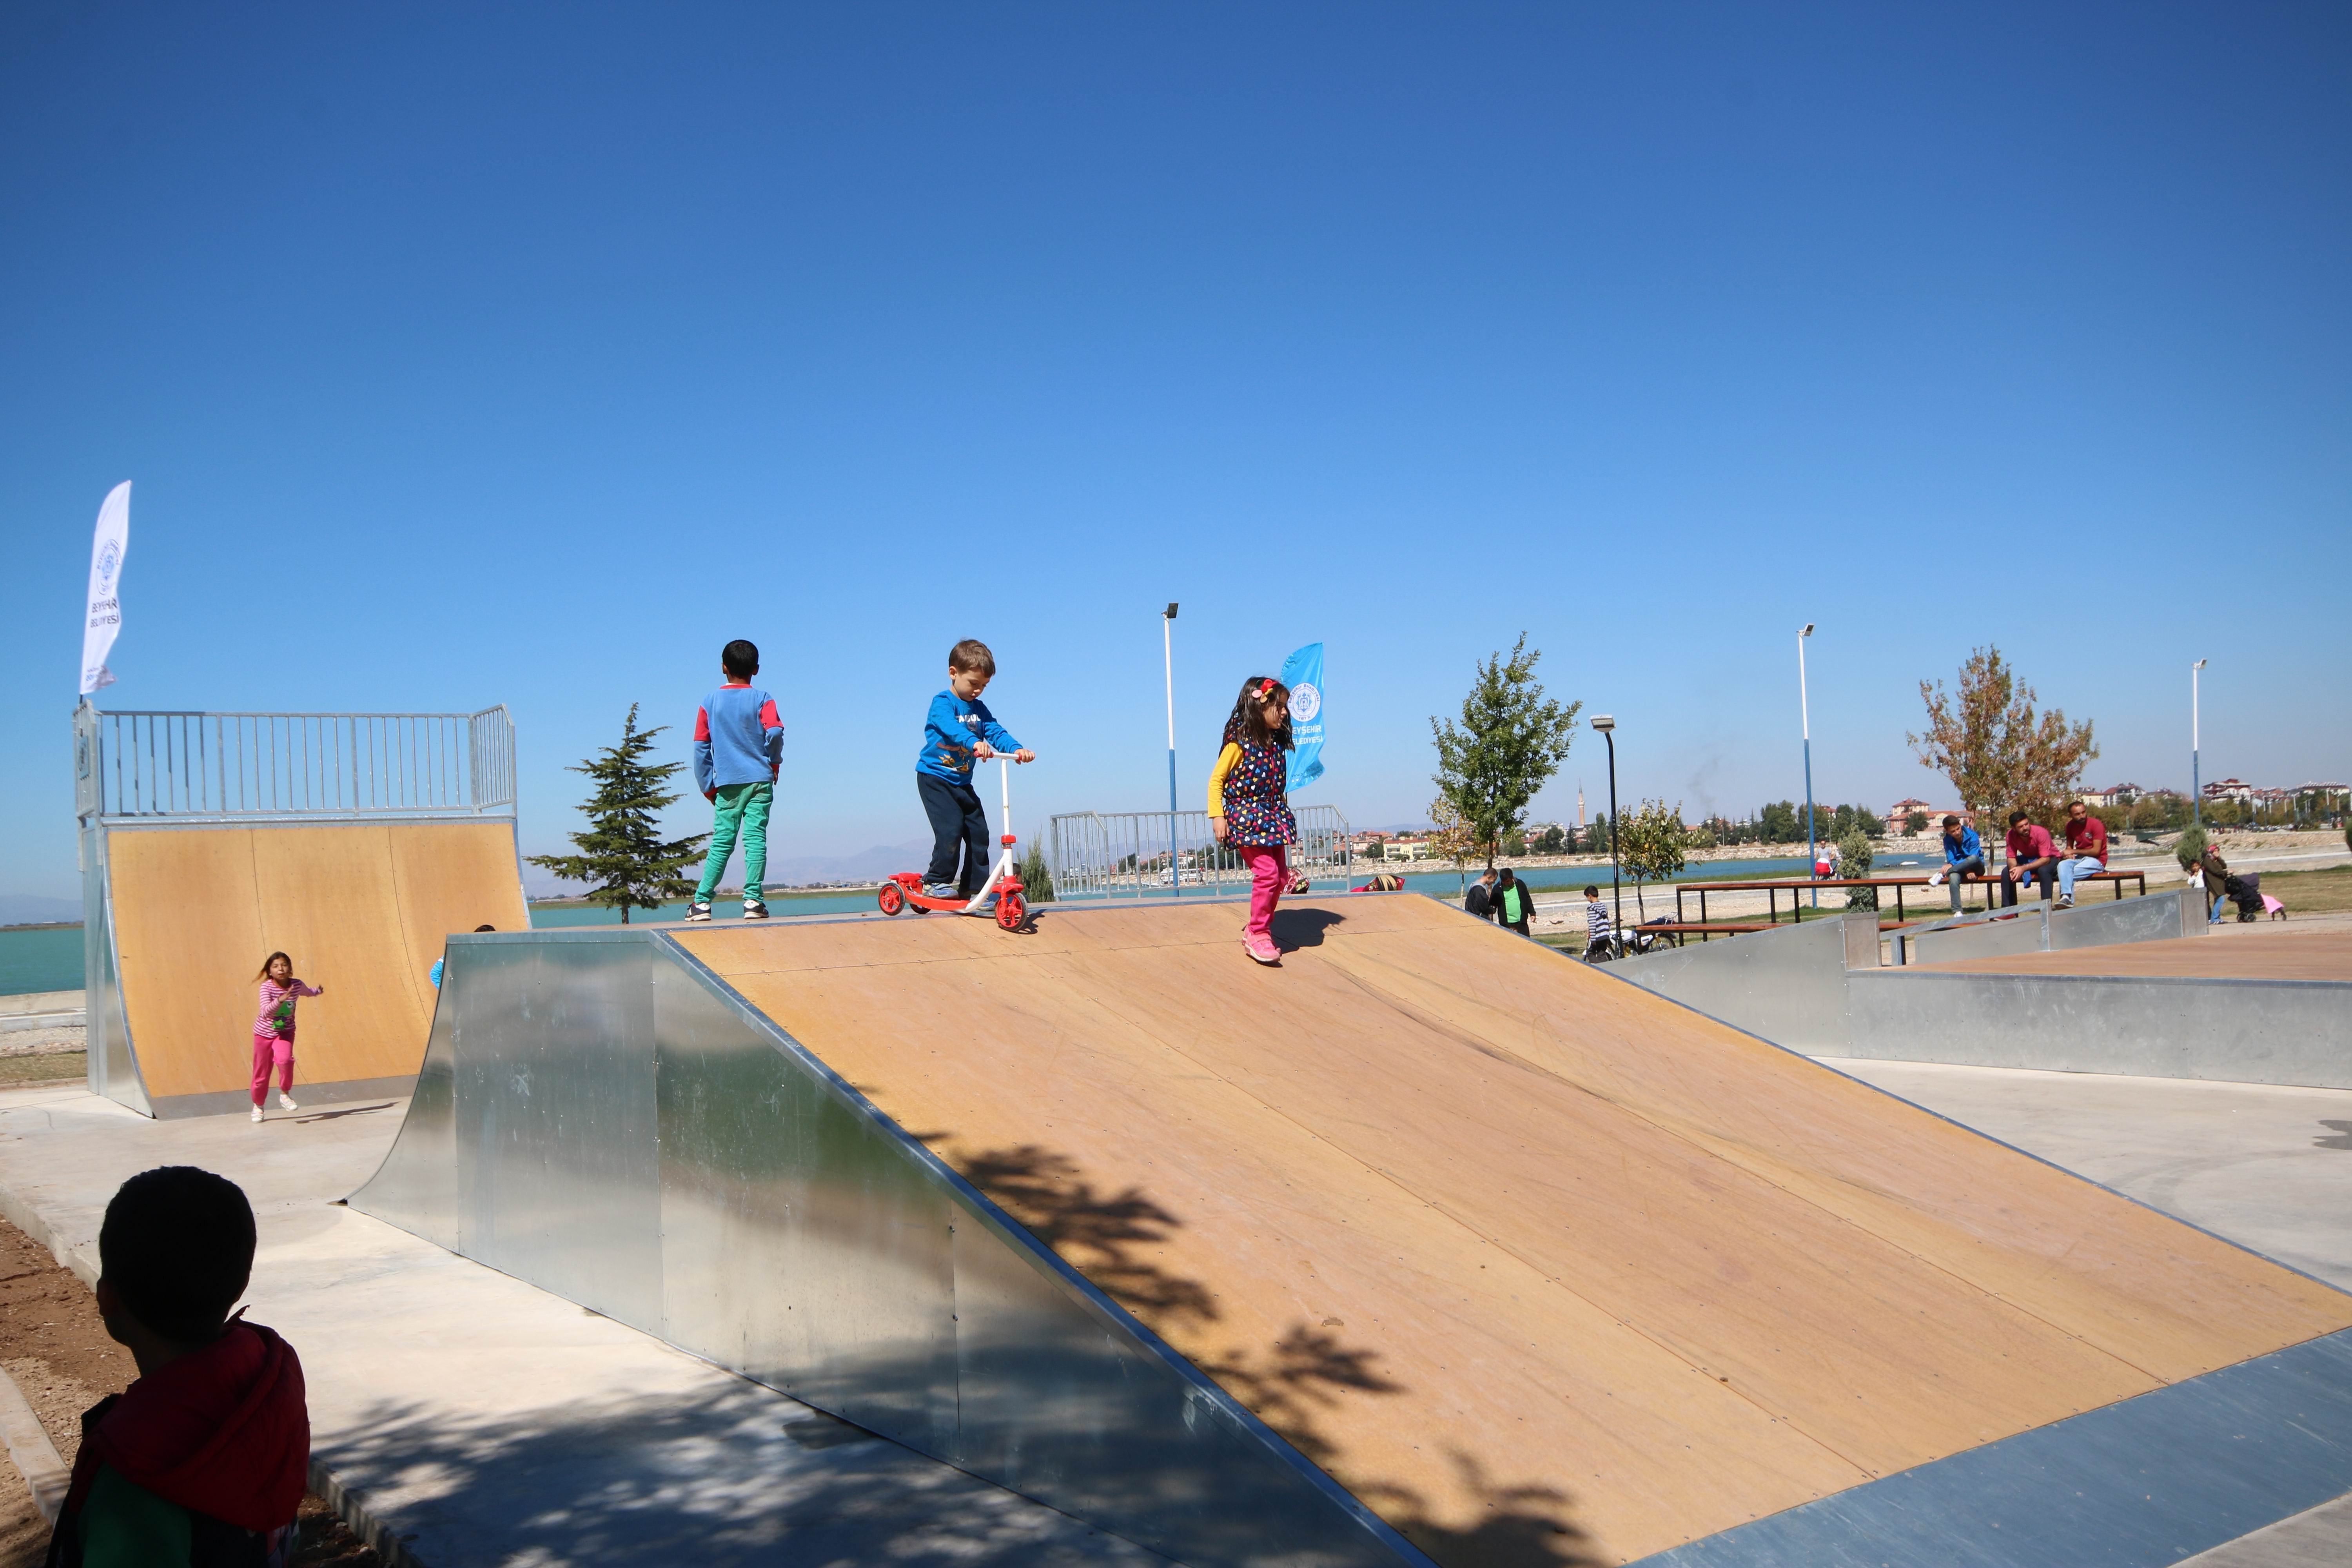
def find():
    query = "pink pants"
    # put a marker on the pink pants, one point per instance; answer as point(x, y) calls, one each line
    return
point(1269, 867)
point(267, 1049)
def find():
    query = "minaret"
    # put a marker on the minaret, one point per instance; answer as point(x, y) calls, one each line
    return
point(1580, 806)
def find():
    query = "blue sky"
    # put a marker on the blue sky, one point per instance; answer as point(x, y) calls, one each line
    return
point(525, 354)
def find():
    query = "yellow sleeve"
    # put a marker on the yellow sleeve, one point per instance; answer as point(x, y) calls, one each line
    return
point(1226, 761)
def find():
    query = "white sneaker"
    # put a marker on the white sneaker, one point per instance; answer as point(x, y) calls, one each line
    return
point(286, 1102)
point(256, 1113)
point(2066, 900)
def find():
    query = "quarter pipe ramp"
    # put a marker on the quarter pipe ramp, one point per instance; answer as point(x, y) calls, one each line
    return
point(1431, 1245)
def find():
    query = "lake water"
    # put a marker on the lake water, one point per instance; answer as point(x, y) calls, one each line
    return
point(48, 958)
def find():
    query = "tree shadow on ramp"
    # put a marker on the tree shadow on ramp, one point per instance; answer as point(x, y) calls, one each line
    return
point(1303, 928)
point(1301, 1384)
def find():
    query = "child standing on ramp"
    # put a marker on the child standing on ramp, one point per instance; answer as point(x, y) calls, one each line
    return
point(1249, 806)
point(273, 1029)
point(738, 742)
point(957, 731)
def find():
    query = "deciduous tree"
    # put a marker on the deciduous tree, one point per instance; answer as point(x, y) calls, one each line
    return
point(1510, 741)
point(1998, 752)
point(1650, 845)
point(632, 865)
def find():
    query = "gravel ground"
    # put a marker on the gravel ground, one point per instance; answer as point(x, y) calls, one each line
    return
point(56, 1349)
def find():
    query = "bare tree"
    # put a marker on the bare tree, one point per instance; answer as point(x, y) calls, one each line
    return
point(1997, 751)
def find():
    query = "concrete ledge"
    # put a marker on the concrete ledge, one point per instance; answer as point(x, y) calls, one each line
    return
point(2238, 1031)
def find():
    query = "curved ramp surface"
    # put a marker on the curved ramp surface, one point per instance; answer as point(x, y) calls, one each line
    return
point(362, 910)
point(1524, 1264)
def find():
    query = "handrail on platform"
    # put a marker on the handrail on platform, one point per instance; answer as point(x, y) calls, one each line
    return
point(1126, 854)
point(224, 767)
point(1795, 885)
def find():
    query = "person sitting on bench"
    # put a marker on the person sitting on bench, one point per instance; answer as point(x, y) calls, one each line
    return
point(2087, 841)
point(1963, 856)
point(2031, 853)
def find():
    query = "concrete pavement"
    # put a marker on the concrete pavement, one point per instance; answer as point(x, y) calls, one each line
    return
point(477, 1420)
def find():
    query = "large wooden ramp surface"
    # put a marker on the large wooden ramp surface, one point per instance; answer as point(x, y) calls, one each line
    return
point(1538, 1265)
point(362, 908)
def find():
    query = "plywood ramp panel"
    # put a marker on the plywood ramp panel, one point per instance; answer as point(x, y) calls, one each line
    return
point(360, 909)
point(1519, 1252)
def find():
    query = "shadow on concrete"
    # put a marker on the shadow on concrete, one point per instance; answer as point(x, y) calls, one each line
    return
point(340, 1113)
point(2343, 1138)
point(742, 1478)
point(1297, 1385)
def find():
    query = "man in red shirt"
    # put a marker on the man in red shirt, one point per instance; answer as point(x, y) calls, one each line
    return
point(2086, 844)
point(2031, 853)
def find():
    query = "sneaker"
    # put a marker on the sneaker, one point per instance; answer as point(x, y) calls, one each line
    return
point(256, 1113)
point(1264, 951)
point(2066, 900)
point(942, 890)
point(286, 1102)
point(697, 911)
point(754, 910)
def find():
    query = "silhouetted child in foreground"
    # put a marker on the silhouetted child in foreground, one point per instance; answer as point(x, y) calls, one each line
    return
point(202, 1461)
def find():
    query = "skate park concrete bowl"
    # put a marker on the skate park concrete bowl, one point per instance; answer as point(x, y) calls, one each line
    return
point(1432, 1245)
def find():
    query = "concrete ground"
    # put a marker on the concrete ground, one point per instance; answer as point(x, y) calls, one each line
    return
point(479, 1420)
point(2267, 1167)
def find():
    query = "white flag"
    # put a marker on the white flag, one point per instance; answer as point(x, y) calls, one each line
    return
point(106, 552)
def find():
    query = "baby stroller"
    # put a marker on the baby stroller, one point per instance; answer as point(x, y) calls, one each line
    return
point(2220, 882)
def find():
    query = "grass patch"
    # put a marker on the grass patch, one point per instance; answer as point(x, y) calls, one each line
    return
point(54, 1067)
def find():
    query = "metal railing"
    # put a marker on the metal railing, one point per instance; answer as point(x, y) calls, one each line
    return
point(1126, 854)
point(251, 767)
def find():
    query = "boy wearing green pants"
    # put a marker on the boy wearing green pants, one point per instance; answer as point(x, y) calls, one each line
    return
point(739, 744)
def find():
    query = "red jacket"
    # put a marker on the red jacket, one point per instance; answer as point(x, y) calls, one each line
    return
point(223, 1433)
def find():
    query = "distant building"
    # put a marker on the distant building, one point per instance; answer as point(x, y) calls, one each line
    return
point(1904, 808)
point(2113, 795)
point(2230, 789)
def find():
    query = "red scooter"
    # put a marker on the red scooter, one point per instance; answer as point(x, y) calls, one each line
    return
point(905, 888)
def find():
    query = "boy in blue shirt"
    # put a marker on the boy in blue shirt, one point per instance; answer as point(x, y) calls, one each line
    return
point(739, 744)
point(958, 732)
point(1963, 856)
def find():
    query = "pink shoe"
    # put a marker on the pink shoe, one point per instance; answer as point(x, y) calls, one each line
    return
point(1262, 949)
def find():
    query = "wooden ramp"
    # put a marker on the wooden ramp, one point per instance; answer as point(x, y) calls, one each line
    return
point(1539, 1266)
point(362, 908)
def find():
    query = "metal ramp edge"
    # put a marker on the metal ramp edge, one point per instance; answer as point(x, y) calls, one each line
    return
point(601, 1115)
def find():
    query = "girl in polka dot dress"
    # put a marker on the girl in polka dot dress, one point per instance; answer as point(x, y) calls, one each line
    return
point(1248, 806)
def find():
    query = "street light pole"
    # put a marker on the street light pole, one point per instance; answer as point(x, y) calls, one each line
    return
point(1167, 657)
point(1805, 711)
point(1607, 728)
point(2195, 784)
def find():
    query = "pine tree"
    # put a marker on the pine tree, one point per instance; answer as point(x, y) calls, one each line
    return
point(632, 865)
point(1511, 740)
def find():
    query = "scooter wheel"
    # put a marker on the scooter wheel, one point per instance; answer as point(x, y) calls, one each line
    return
point(1011, 911)
point(891, 897)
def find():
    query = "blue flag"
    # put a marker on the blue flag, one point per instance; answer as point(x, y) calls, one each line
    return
point(1303, 673)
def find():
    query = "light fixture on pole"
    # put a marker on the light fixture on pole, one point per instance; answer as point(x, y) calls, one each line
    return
point(1607, 728)
point(2196, 783)
point(1168, 656)
point(1805, 712)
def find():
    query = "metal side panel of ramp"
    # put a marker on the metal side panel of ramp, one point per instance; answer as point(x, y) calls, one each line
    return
point(600, 1115)
point(1431, 1240)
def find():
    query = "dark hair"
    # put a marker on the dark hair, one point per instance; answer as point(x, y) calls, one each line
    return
point(273, 958)
point(478, 930)
point(1591, 892)
point(2017, 816)
point(1246, 725)
point(1509, 875)
point(177, 1246)
point(1951, 821)
point(971, 653)
point(740, 658)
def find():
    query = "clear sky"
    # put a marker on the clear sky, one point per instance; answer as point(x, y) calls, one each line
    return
point(470, 355)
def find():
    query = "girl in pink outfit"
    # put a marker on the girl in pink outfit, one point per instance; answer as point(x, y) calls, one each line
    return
point(273, 1029)
point(1248, 804)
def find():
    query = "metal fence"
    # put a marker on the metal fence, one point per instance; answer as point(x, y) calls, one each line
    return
point(222, 766)
point(1126, 854)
